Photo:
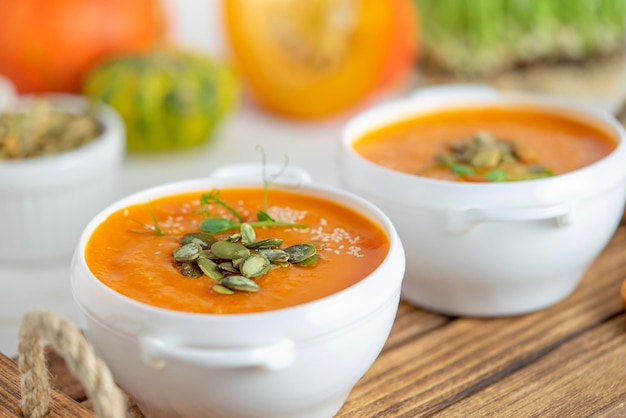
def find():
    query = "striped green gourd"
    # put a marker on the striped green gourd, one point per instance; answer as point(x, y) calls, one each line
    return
point(486, 37)
point(168, 98)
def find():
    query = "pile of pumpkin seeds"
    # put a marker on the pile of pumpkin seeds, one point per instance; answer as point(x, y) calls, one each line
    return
point(496, 160)
point(42, 129)
point(236, 261)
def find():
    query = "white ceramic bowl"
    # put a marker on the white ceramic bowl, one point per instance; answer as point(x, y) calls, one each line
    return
point(45, 202)
point(296, 362)
point(491, 249)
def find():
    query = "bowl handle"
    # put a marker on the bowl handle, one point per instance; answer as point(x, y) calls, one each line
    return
point(462, 222)
point(156, 352)
point(276, 173)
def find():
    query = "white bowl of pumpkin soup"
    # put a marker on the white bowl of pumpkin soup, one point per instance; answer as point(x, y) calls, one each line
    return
point(237, 296)
point(502, 199)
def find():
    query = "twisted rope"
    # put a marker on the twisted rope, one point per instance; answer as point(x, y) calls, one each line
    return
point(40, 325)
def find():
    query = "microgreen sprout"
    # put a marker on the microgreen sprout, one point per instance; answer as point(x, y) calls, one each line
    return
point(155, 221)
point(149, 229)
point(220, 224)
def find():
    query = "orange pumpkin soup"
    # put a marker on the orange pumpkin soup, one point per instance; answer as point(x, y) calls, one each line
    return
point(132, 250)
point(486, 144)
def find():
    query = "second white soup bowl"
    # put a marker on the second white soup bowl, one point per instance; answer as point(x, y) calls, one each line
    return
point(491, 249)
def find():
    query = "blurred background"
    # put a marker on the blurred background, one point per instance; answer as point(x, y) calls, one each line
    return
point(202, 83)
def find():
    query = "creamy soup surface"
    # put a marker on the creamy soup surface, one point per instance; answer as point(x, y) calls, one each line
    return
point(557, 143)
point(128, 255)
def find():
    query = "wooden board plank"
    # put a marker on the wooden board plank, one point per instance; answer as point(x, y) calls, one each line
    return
point(442, 366)
point(584, 377)
point(61, 405)
point(428, 374)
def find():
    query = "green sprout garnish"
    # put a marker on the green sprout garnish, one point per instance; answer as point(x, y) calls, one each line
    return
point(214, 197)
point(220, 224)
point(155, 222)
point(484, 158)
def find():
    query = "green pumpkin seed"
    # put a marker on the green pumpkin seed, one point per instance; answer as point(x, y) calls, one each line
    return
point(266, 244)
point(248, 236)
point(208, 254)
point(187, 252)
point(525, 153)
point(228, 267)
point(309, 262)
point(240, 283)
point(222, 289)
point(255, 265)
point(483, 138)
point(275, 256)
point(229, 250)
point(237, 262)
point(204, 239)
point(234, 238)
point(488, 157)
point(210, 268)
point(189, 269)
point(300, 252)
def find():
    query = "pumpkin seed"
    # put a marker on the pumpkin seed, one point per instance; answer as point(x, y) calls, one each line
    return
point(210, 268)
point(248, 236)
point(266, 244)
point(222, 289)
point(229, 250)
point(493, 159)
point(240, 283)
point(208, 254)
point(204, 239)
point(43, 128)
point(300, 252)
point(275, 256)
point(255, 265)
point(189, 269)
point(488, 157)
point(309, 262)
point(525, 153)
point(228, 267)
point(237, 262)
point(234, 238)
point(483, 138)
point(187, 252)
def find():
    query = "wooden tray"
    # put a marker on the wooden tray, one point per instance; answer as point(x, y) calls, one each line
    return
point(565, 361)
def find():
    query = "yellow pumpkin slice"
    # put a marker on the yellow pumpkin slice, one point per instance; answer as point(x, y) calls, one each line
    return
point(311, 58)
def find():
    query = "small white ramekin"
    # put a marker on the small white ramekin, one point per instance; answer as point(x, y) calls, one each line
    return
point(45, 202)
point(298, 362)
point(491, 249)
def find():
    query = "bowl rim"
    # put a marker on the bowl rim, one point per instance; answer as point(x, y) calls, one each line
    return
point(464, 96)
point(346, 198)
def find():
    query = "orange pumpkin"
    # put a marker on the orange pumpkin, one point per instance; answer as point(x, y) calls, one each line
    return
point(315, 58)
point(48, 45)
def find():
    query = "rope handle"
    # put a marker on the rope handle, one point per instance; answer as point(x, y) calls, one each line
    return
point(40, 325)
